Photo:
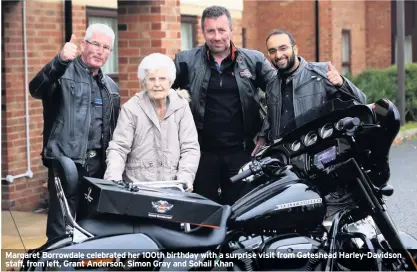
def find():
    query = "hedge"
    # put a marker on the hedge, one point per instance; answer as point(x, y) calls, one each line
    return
point(382, 83)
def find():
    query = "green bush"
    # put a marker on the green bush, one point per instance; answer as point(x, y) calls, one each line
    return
point(377, 84)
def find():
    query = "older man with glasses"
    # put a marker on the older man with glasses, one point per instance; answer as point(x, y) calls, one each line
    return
point(81, 107)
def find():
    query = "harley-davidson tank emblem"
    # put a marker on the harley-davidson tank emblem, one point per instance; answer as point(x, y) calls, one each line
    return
point(162, 206)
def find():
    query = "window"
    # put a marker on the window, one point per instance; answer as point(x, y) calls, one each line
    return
point(188, 31)
point(346, 51)
point(408, 49)
point(108, 17)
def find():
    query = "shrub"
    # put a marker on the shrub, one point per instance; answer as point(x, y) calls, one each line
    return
point(377, 84)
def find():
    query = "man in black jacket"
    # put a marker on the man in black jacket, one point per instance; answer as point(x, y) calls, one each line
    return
point(223, 82)
point(80, 109)
point(300, 85)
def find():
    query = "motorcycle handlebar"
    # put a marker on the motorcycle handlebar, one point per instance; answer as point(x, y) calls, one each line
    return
point(241, 176)
point(348, 123)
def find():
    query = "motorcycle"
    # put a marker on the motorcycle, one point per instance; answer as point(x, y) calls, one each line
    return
point(317, 203)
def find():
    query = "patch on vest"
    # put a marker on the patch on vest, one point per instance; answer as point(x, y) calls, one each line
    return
point(245, 73)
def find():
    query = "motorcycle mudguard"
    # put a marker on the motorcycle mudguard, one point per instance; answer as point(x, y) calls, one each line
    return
point(129, 243)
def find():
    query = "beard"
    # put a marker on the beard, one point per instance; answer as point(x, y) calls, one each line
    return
point(289, 66)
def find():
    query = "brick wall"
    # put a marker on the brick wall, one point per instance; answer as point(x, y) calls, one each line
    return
point(271, 15)
point(44, 39)
point(250, 23)
point(79, 24)
point(378, 33)
point(369, 22)
point(150, 27)
point(350, 15)
point(326, 34)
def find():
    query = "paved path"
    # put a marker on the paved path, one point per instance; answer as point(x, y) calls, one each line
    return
point(403, 203)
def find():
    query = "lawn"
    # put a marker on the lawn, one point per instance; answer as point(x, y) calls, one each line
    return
point(408, 125)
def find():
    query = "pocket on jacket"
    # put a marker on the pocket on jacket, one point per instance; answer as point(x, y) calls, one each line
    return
point(308, 102)
point(142, 169)
point(56, 129)
point(309, 87)
point(172, 170)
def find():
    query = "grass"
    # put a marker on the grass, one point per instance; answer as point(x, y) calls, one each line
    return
point(408, 125)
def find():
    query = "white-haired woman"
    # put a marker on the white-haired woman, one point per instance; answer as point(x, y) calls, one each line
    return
point(155, 136)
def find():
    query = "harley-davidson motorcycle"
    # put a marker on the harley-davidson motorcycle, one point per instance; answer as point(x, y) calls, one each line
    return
point(317, 203)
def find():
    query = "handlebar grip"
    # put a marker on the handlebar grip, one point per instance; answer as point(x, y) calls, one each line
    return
point(241, 176)
point(348, 123)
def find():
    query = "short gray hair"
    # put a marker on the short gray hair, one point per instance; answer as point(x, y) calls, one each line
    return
point(101, 28)
point(157, 61)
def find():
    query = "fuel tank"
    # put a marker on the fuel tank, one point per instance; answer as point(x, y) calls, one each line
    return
point(287, 203)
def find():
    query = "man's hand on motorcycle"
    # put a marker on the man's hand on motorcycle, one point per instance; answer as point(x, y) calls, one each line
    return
point(259, 142)
point(333, 76)
point(69, 51)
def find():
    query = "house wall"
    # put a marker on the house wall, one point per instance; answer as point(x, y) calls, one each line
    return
point(155, 26)
point(368, 21)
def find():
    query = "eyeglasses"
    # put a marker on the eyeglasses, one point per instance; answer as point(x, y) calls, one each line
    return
point(97, 46)
point(281, 49)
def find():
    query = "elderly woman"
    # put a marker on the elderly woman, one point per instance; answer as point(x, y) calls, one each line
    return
point(155, 138)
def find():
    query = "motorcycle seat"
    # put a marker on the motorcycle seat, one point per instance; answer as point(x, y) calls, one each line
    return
point(162, 234)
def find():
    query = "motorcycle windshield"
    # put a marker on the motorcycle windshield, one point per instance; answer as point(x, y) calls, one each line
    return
point(315, 113)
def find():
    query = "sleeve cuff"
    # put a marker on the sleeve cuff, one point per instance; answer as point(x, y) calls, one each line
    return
point(61, 61)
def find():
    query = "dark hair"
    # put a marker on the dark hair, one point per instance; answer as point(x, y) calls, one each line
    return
point(215, 12)
point(279, 32)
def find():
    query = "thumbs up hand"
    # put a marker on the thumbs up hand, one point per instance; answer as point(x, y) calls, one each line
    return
point(69, 51)
point(333, 76)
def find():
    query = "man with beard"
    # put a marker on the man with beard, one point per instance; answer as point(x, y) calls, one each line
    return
point(223, 82)
point(300, 85)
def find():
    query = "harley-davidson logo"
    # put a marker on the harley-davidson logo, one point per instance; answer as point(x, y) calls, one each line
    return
point(87, 196)
point(298, 204)
point(162, 206)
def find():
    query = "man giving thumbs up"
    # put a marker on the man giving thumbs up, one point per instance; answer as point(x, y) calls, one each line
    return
point(69, 52)
point(333, 76)
point(81, 106)
point(300, 85)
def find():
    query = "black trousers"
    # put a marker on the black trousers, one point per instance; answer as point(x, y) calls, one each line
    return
point(214, 172)
point(55, 226)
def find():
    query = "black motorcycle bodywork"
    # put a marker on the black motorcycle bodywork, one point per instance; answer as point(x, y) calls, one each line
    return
point(328, 149)
point(289, 203)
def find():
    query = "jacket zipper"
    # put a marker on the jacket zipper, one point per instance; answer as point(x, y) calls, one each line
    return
point(72, 112)
point(221, 78)
point(88, 125)
point(278, 116)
